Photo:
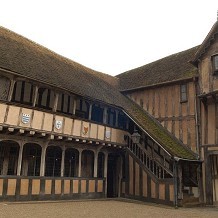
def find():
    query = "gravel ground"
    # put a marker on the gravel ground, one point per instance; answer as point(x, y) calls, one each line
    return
point(105, 208)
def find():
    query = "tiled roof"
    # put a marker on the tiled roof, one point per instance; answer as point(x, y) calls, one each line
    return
point(172, 68)
point(31, 60)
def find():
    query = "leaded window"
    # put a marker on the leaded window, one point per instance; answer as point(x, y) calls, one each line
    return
point(4, 88)
point(23, 92)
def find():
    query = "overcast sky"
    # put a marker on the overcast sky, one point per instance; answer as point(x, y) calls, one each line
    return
point(111, 36)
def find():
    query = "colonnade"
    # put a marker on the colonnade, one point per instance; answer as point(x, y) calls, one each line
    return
point(86, 158)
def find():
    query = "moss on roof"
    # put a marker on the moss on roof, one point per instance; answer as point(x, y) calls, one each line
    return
point(171, 68)
point(157, 131)
point(28, 59)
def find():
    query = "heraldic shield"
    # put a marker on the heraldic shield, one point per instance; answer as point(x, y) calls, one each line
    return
point(58, 124)
point(25, 118)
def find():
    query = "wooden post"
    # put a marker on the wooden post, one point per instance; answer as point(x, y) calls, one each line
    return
point(208, 179)
point(35, 96)
point(96, 164)
point(11, 89)
point(42, 164)
point(62, 161)
point(117, 114)
point(74, 106)
point(80, 163)
point(105, 171)
point(105, 115)
point(20, 159)
point(90, 111)
point(55, 102)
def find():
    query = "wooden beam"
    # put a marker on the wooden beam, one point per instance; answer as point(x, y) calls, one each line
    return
point(32, 132)
point(11, 129)
point(21, 131)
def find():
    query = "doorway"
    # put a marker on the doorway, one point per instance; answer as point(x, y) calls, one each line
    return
point(113, 176)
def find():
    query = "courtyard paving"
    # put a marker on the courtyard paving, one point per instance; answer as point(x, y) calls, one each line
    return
point(100, 209)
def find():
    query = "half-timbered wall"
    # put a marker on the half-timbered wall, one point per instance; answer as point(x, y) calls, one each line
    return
point(165, 104)
point(142, 185)
point(208, 81)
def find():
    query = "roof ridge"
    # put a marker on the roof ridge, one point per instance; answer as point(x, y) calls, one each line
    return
point(154, 62)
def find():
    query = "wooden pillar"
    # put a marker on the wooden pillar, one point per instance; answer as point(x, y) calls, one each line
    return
point(180, 194)
point(35, 96)
point(55, 102)
point(208, 178)
point(90, 111)
point(6, 160)
point(105, 115)
point(62, 161)
point(20, 159)
point(105, 171)
point(80, 163)
point(96, 164)
point(11, 89)
point(116, 123)
point(74, 106)
point(42, 164)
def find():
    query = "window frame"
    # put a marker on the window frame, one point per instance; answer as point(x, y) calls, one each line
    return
point(183, 92)
point(215, 69)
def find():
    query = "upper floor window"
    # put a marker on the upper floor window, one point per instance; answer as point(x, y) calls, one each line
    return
point(97, 113)
point(183, 93)
point(111, 117)
point(122, 120)
point(23, 92)
point(45, 98)
point(82, 108)
point(215, 63)
point(65, 104)
point(4, 88)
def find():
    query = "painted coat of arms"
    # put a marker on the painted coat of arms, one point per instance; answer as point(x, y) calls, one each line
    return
point(25, 119)
point(107, 134)
point(58, 124)
point(85, 130)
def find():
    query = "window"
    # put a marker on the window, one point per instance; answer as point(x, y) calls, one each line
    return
point(4, 88)
point(122, 120)
point(183, 93)
point(111, 117)
point(82, 108)
point(23, 92)
point(53, 161)
point(45, 98)
point(65, 104)
point(71, 162)
point(215, 63)
point(97, 113)
point(31, 160)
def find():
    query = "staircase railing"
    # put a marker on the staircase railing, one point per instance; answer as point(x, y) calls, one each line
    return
point(158, 165)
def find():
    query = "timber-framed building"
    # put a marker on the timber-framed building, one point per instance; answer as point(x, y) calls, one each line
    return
point(69, 132)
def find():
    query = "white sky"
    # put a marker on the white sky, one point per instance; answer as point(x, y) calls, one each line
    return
point(111, 36)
